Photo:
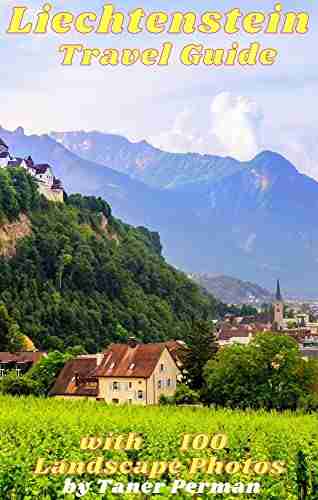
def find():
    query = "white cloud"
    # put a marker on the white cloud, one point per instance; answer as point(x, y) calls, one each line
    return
point(184, 135)
point(236, 122)
point(231, 127)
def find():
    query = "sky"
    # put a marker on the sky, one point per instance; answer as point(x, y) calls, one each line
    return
point(236, 111)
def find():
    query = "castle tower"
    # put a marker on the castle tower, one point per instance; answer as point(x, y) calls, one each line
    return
point(278, 309)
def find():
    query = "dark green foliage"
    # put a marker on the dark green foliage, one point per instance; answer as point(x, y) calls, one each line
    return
point(309, 403)
point(45, 371)
point(10, 335)
point(243, 310)
point(151, 239)
point(18, 193)
point(202, 347)
point(18, 386)
point(86, 279)
point(89, 203)
point(186, 395)
point(303, 476)
point(166, 400)
point(39, 380)
point(268, 373)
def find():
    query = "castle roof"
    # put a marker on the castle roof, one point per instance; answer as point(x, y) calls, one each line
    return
point(15, 163)
point(29, 161)
point(57, 184)
point(42, 168)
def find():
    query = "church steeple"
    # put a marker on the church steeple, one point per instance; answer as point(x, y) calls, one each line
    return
point(278, 309)
point(278, 293)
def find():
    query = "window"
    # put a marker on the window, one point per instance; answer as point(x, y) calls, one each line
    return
point(162, 367)
point(115, 386)
point(169, 382)
point(2, 372)
point(130, 385)
point(159, 384)
point(112, 366)
point(140, 395)
point(132, 366)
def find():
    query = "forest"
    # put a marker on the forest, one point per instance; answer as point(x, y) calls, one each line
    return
point(84, 279)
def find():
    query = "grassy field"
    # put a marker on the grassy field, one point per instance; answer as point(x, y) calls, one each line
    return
point(33, 428)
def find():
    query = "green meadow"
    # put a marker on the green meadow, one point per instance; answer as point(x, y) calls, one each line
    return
point(51, 429)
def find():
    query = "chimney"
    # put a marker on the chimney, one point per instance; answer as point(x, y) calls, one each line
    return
point(99, 358)
point(132, 342)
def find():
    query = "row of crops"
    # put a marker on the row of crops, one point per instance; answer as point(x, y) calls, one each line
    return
point(52, 429)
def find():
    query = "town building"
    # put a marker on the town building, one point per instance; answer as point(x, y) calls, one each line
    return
point(49, 186)
point(298, 326)
point(77, 380)
point(239, 333)
point(19, 362)
point(4, 154)
point(131, 373)
point(136, 373)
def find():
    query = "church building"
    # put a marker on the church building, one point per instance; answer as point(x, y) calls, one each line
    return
point(278, 306)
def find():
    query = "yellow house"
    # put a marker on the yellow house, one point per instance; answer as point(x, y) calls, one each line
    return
point(136, 373)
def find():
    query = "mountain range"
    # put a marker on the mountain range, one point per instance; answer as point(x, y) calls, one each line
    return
point(255, 219)
point(232, 290)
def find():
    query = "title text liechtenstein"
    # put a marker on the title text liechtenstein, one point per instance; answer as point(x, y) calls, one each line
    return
point(110, 21)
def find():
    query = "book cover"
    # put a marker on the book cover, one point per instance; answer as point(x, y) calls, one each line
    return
point(158, 250)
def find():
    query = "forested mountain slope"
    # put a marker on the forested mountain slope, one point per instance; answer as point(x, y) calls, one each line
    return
point(84, 278)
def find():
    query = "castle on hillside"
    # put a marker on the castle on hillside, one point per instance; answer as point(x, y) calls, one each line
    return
point(49, 186)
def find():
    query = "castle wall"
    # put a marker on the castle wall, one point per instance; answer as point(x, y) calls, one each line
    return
point(56, 195)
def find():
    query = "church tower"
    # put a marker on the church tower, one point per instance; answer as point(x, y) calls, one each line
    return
point(278, 309)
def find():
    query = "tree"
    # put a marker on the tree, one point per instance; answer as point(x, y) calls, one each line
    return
point(63, 261)
point(18, 386)
point(268, 373)
point(11, 338)
point(186, 395)
point(77, 276)
point(46, 371)
point(202, 346)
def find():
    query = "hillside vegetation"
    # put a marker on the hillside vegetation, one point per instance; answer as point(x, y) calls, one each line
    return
point(83, 278)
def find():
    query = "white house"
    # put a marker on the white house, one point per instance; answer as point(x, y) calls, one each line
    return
point(48, 185)
point(44, 174)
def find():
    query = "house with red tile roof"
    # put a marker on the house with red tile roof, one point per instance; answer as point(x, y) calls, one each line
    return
point(77, 379)
point(136, 373)
point(129, 373)
point(20, 362)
